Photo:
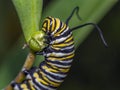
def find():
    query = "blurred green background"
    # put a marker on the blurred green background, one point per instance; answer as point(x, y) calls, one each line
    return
point(94, 68)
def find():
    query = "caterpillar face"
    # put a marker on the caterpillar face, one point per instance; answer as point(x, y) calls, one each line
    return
point(37, 41)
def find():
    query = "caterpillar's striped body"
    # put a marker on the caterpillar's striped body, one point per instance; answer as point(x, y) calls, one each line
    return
point(58, 54)
point(58, 58)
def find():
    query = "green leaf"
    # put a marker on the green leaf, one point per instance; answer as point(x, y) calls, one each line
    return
point(29, 12)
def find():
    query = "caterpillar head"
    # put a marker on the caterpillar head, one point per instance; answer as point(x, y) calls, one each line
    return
point(37, 41)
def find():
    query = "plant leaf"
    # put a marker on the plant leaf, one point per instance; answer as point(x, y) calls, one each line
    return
point(29, 12)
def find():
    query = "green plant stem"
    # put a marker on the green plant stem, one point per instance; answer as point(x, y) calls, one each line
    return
point(27, 65)
point(29, 12)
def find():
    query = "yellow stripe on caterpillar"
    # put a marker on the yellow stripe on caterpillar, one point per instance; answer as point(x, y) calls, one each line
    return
point(63, 44)
point(55, 84)
point(39, 79)
point(24, 87)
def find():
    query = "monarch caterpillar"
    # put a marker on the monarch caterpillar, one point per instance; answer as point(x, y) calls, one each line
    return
point(58, 52)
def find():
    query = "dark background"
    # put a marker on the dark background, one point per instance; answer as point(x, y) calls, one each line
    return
point(94, 68)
